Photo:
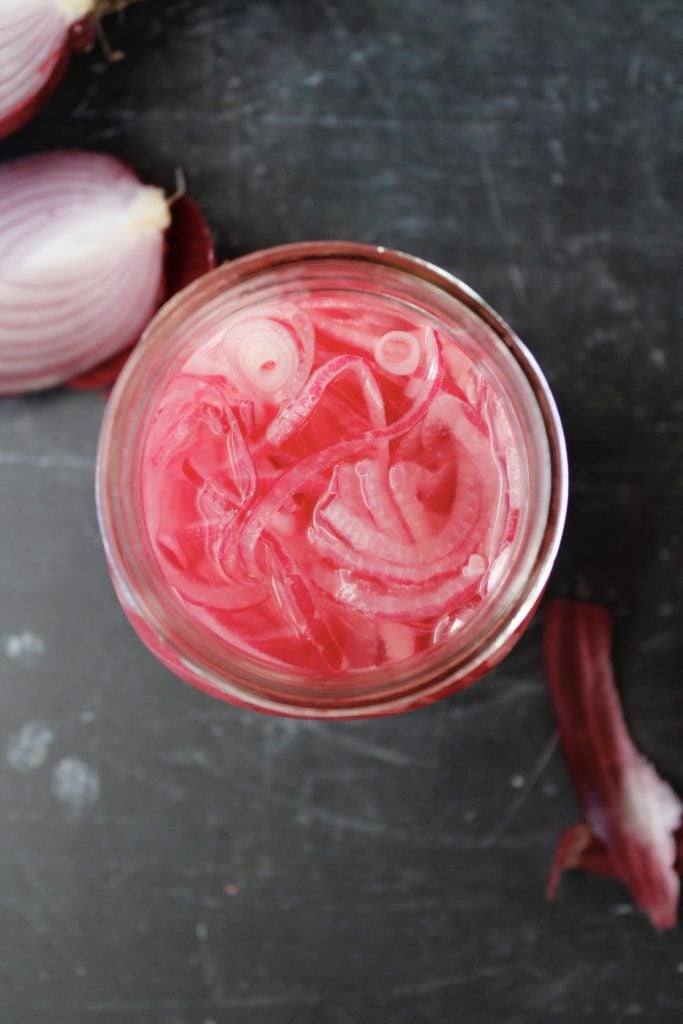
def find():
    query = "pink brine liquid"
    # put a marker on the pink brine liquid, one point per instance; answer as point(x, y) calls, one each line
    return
point(332, 484)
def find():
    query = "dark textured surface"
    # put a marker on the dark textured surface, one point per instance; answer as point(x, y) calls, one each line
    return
point(165, 859)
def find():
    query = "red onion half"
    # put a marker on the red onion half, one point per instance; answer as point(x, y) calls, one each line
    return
point(37, 38)
point(81, 264)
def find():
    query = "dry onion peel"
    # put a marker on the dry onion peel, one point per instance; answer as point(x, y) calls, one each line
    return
point(632, 816)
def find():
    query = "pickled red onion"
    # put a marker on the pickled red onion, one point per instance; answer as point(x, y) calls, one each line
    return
point(398, 352)
point(264, 359)
point(291, 416)
point(343, 322)
point(81, 262)
point(401, 601)
point(363, 522)
point(296, 598)
point(319, 463)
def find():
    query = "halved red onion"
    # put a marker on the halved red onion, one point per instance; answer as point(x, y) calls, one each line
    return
point(37, 38)
point(189, 254)
point(81, 264)
point(631, 814)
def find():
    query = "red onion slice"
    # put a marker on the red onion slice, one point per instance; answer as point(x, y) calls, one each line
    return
point(320, 463)
point(631, 813)
point(380, 498)
point(81, 264)
point(398, 352)
point(402, 601)
point(298, 603)
point(295, 413)
point(266, 358)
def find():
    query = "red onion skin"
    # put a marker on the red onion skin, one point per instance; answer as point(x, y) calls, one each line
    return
point(79, 38)
point(632, 817)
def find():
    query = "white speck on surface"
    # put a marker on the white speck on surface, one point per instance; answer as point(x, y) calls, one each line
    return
point(658, 358)
point(75, 784)
point(679, 968)
point(201, 931)
point(556, 147)
point(664, 555)
point(665, 611)
point(26, 646)
point(633, 70)
point(623, 909)
point(27, 749)
point(517, 781)
point(549, 789)
point(80, 971)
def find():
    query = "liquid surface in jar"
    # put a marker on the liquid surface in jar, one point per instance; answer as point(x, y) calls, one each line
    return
point(332, 484)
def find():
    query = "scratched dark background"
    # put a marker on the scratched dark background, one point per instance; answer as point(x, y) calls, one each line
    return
point(166, 859)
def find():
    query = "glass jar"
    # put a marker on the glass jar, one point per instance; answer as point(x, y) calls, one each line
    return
point(458, 651)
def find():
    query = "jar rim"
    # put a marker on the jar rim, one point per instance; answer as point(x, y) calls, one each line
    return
point(454, 673)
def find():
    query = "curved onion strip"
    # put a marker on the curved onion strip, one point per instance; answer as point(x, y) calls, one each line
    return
point(401, 601)
point(357, 560)
point(230, 596)
point(81, 250)
point(345, 482)
point(466, 516)
point(220, 500)
point(407, 481)
point(230, 492)
point(311, 468)
point(294, 414)
point(379, 499)
point(297, 602)
point(356, 545)
point(182, 407)
point(343, 322)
